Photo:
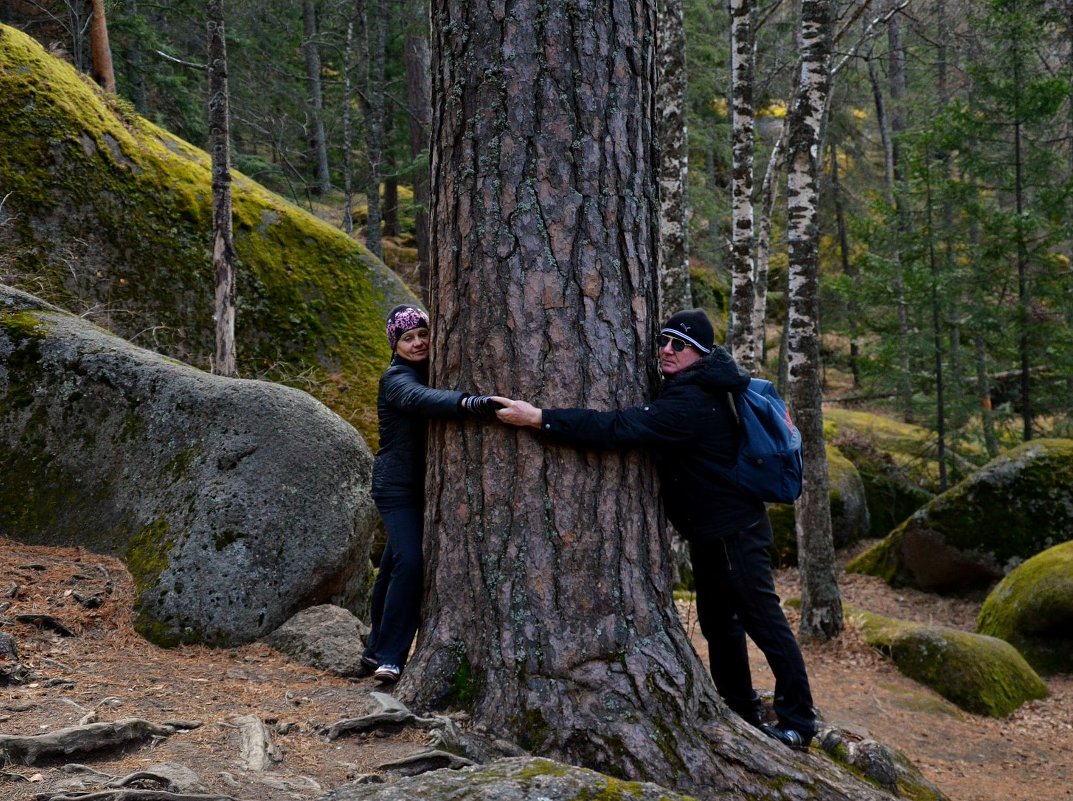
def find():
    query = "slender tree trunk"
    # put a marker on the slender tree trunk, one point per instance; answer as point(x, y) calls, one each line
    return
point(391, 197)
point(419, 99)
point(223, 250)
point(894, 202)
point(318, 140)
point(675, 292)
point(375, 35)
point(741, 338)
point(848, 268)
point(936, 332)
point(821, 605)
point(1023, 321)
point(348, 131)
point(769, 190)
point(101, 51)
point(545, 204)
point(983, 383)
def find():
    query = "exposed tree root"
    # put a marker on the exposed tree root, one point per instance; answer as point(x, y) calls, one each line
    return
point(90, 737)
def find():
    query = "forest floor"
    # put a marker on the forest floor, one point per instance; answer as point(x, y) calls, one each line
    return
point(102, 668)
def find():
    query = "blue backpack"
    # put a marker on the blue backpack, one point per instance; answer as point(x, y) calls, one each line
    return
point(769, 464)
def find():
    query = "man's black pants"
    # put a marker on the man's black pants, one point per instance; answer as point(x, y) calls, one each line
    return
point(736, 597)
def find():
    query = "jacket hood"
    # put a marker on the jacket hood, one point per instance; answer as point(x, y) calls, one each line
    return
point(716, 372)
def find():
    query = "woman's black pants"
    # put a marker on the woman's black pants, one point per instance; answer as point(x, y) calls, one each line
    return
point(736, 597)
point(397, 592)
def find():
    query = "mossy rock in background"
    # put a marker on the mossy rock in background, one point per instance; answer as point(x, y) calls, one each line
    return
point(896, 484)
point(900, 450)
point(966, 539)
point(105, 213)
point(849, 510)
point(982, 675)
point(233, 503)
point(1032, 608)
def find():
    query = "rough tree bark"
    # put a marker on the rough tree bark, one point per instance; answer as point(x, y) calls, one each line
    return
point(548, 611)
point(223, 249)
point(318, 140)
point(675, 292)
point(101, 52)
point(741, 337)
point(821, 604)
point(419, 100)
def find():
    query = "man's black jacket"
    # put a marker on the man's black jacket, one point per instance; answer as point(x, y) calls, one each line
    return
point(689, 428)
point(404, 404)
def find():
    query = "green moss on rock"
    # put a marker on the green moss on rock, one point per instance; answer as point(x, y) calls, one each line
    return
point(982, 675)
point(1032, 608)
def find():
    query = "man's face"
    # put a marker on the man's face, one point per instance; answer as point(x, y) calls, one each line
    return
point(671, 361)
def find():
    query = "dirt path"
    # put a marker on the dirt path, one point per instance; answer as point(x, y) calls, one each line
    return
point(107, 669)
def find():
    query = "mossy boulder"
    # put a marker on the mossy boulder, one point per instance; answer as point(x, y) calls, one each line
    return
point(513, 779)
point(982, 675)
point(234, 503)
point(106, 214)
point(893, 461)
point(849, 510)
point(966, 539)
point(1032, 608)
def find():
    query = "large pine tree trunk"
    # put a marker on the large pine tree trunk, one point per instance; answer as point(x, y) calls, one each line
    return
point(223, 250)
point(743, 341)
point(548, 611)
point(318, 140)
point(675, 292)
point(821, 605)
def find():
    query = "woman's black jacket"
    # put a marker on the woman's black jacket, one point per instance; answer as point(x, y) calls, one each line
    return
point(689, 428)
point(404, 404)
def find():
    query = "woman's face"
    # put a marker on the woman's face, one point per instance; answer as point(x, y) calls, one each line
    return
point(413, 345)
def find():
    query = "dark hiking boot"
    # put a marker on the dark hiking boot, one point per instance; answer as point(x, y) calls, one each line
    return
point(787, 736)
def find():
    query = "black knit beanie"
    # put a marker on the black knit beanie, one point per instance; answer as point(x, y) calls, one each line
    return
point(694, 327)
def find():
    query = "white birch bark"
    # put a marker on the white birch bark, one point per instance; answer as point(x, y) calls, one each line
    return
point(821, 610)
point(743, 340)
point(675, 292)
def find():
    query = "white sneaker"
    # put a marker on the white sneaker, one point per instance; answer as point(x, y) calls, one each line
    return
point(387, 674)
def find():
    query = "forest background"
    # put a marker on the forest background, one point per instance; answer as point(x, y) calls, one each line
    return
point(945, 249)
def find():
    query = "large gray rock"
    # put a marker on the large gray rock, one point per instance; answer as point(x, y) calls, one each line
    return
point(233, 503)
point(514, 779)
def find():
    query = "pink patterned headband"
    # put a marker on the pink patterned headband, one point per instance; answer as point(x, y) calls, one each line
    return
point(402, 320)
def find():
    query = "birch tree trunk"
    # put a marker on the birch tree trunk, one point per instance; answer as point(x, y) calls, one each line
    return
point(318, 141)
point(101, 51)
point(223, 250)
point(548, 612)
point(419, 99)
point(675, 292)
point(821, 605)
point(741, 337)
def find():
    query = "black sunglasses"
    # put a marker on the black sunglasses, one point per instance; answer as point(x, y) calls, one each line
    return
point(677, 345)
